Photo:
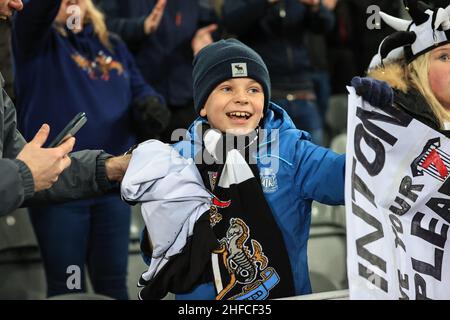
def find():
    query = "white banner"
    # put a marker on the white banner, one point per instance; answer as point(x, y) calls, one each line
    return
point(398, 205)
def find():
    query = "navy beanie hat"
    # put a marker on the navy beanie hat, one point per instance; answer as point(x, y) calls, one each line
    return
point(223, 60)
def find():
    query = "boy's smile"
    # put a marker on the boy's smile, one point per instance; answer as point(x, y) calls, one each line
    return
point(239, 118)
point(235, 106)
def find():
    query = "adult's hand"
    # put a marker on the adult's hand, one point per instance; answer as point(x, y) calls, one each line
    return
point(310, 2)
point(153, 20)
point(116, 167)
point(46, 164)
point(203, 37)
point(330, 4)
point(8, 6)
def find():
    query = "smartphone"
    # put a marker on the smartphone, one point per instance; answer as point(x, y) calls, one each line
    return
point(70, 130)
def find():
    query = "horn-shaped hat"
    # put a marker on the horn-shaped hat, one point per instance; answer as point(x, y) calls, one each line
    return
point(427, 30)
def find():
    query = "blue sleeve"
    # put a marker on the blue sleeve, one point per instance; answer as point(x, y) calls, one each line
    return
point(320, 173)
point(321, 21)
point(32, 26)
point(240, 15)
point(130, 29)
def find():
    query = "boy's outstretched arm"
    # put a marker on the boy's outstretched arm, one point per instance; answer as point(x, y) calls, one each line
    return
point(320, 173)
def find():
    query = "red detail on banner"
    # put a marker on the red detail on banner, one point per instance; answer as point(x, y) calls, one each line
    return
point(434, 158)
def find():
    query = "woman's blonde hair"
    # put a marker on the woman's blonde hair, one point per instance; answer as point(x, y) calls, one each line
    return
point(415, 74)
point(97, 18)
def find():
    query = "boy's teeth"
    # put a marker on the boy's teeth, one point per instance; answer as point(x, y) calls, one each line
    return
point(240, 114)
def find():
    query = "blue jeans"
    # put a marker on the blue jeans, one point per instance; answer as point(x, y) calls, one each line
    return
point(94, 232)
point(305, 116)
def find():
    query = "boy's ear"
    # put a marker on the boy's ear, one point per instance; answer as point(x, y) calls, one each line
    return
point(203, 112)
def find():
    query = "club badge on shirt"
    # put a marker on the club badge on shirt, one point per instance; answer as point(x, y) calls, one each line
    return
point(269, 181)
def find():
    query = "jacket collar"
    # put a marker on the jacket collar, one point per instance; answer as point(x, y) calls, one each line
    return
point(415, 104)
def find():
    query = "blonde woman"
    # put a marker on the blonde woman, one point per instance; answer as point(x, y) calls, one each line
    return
point(66, 61)
point(421, 88)
point(412, 69)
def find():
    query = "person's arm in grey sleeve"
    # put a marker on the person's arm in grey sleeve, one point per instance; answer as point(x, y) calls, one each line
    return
point(13, 142)
point(86, 177)
point(16, 185)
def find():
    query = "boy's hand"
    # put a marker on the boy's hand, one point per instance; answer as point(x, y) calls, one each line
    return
point(203, 37)
point(46, 164)
point(116, 167)
point(153, 20)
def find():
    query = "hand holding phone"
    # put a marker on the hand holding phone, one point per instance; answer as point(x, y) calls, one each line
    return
point(70, 130)
point(45, 164)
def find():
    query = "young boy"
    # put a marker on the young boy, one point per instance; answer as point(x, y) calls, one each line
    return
point(260, 225)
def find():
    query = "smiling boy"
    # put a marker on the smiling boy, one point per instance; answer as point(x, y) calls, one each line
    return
point(261, 208)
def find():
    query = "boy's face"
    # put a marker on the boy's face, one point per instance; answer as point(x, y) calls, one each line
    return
point(235, 106)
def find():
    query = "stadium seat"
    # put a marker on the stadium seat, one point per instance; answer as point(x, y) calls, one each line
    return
point(22, 274)
point(336, 116)
point(327, 248)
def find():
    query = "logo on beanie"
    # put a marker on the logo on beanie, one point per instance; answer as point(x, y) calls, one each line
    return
point(239, 69)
